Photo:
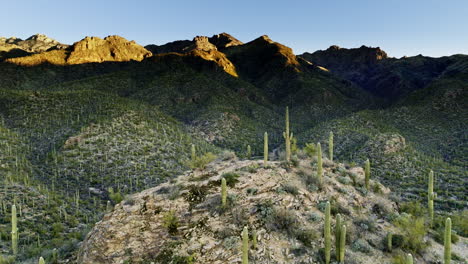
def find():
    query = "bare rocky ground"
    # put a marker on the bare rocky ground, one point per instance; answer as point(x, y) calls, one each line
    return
point(283, 204)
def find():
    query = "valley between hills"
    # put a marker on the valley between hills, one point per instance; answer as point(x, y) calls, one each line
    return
point(212, 150)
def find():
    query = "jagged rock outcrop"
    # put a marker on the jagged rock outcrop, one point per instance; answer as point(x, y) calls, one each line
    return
point(221, 41)
point(200, 46)
point(34, 44)
point(111, 48)
point(88, 50)
point(15, 47)
point(200, 43)
point(224, 40)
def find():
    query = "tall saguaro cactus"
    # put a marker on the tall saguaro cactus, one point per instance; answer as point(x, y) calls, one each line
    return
point(287, 137)
point(448, 241)
point(389, 242)
point(245, 246)
point(193, 155)
point(223, 192)
point(249, 152)
point(265, 149)
point(409, 259)
point(41, 260)
point(430, 197)
point(330, 146)
point(327, 233)
point(367, 173)
point(254, 239)
point(337, 235)
point(342, 243)
point(319, 163)
point(14, 230)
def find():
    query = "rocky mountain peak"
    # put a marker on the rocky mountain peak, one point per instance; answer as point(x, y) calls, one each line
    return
point(111, 48)
point(34, 44)
point(201, 43)
point(41, 37)
point(363, 54)
point(224, 40)
point(264, 38)
point(334, 47)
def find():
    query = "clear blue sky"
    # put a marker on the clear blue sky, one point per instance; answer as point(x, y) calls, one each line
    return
point(400, 27)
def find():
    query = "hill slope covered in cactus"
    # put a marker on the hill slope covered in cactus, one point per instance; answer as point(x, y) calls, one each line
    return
point(85, 126)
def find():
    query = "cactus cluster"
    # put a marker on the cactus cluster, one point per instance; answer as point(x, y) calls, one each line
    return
point(340, 236)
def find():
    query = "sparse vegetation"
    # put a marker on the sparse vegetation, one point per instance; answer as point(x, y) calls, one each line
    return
point(171, 222)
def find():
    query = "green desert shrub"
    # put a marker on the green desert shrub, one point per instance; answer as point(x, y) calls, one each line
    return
point(7, 260)
point(413, 208)
point(311, 180)
point(310, 149)
point(227, 155)
point(171, 222)
point(265, 211)
point(284, 220)
point(231, 178)
point(116, 197)
point(366, 224)
point(240, 216)
point(306, 235)
point(200, 162)
point(399, 259)
point(413, 230)
point(361, 245)
point(289, 188)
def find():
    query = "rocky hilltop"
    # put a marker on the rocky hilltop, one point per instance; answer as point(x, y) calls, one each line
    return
point(282, 205)
point(111, 48)
point(15, 47)
point(89, 50)
point(34, 44)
